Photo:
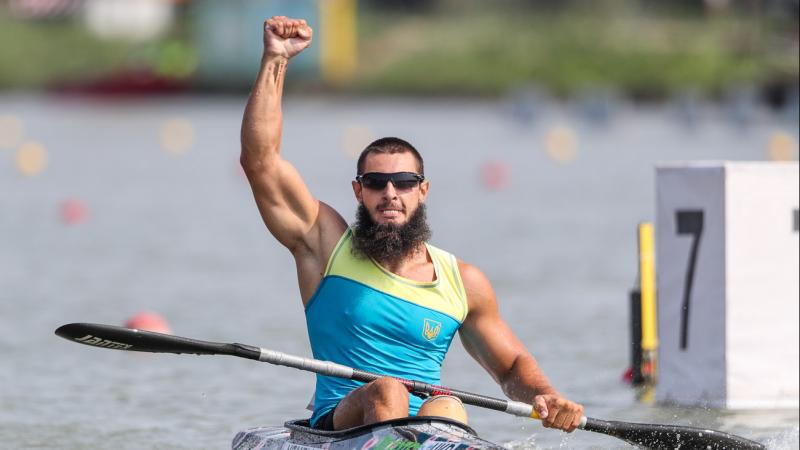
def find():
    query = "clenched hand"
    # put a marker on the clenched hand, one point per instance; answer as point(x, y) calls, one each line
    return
point(286, 37)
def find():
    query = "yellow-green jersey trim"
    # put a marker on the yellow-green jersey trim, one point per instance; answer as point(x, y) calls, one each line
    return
point(445, 294)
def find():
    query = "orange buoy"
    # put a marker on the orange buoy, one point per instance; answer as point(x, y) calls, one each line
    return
point(148, 321)
point(73, 211)
point(495, 175)
point(31, 158)
point(627, 376)
point(177, 136)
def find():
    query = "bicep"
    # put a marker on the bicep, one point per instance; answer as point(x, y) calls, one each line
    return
point(484, 333)
point(289, 210)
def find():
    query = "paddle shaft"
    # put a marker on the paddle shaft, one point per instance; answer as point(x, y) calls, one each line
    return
point(648, 435)
point(417, 387)
point(118, 338)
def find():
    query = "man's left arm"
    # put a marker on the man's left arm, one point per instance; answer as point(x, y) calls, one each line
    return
point(489, 340)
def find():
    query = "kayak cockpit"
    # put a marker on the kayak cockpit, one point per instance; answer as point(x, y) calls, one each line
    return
point(435, 433)
point(303, 426)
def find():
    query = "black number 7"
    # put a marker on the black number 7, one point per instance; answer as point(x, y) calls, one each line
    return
point(689, 222)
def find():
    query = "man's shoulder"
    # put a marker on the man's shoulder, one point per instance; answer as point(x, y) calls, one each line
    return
point(332, 227)
point(478, 288)
point(321, 239)
point(470, 273)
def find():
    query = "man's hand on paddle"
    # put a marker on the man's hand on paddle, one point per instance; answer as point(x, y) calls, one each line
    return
point(558, 412)
point(286, 37)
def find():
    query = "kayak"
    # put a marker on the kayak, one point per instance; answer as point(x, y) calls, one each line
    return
point(410, 433)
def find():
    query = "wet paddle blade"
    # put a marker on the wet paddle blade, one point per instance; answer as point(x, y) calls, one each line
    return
point(670, 437)
point(120, 338)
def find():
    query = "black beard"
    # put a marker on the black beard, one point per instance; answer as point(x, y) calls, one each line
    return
point(389, 243)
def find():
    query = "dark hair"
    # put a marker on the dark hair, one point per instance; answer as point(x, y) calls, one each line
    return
point(389, 145)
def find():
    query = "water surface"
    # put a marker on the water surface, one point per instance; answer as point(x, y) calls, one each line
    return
point(180, 235)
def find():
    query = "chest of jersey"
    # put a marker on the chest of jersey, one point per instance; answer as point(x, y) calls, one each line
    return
point(354, 322)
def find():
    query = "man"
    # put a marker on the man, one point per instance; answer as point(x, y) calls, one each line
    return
point(377, 296)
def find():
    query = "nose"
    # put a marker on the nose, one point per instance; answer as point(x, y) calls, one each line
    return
point(389, 191)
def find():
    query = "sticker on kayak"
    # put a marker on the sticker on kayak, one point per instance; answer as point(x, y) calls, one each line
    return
point(433, 445)
point(290, 446)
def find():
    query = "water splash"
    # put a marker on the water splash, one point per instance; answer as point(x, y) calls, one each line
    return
point(529, 443)
point(789, 439)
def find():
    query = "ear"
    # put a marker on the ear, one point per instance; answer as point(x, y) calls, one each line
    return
point(423, 190)
point(357, 190)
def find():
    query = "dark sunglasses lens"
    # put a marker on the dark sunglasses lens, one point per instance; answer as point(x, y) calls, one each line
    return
point(374, 182)
point(405, 183)
point(400, 180)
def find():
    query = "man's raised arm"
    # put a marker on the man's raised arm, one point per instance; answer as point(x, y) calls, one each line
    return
point(289, 210)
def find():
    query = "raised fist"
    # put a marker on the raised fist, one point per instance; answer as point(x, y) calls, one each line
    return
point(286, 37)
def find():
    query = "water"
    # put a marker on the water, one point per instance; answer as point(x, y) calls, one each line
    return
point(180, 235)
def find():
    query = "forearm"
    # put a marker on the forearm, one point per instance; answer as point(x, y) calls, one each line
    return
point(525, 380)
point(263, 116)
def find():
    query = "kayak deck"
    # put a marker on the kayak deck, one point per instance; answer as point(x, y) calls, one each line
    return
point(411, 433)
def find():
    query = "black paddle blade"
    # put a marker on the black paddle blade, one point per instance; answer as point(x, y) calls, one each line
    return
point(669, 437)
point(120, 338)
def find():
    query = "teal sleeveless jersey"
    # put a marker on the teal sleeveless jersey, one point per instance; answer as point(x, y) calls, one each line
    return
point(366, 317)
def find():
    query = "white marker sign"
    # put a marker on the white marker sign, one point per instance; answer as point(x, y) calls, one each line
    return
point(727, 279)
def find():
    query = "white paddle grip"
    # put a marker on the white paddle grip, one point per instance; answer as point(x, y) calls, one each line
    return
point(519, 409)
point(311, 365)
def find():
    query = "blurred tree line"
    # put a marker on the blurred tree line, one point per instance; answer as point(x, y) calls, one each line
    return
point(641, 48)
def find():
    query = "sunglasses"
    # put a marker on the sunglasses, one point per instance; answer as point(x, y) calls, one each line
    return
point(376, 181)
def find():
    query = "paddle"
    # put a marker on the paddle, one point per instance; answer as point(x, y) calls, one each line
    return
point(653, 436)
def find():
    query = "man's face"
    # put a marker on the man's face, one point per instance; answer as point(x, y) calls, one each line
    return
point(391, 205)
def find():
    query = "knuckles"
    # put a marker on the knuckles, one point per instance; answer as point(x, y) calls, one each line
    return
point(285, 27)
point(563, 414)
